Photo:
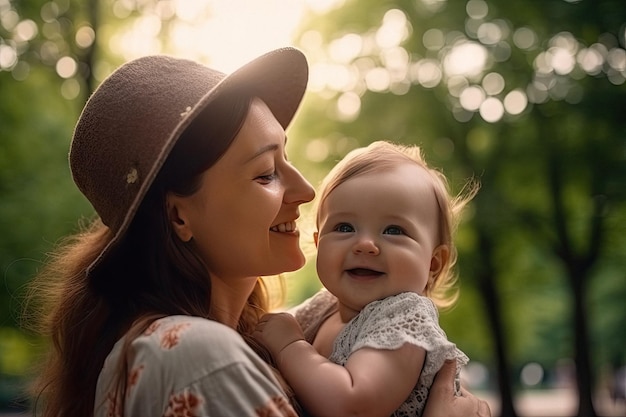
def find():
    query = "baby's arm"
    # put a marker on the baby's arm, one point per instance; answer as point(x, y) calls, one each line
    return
point(373, 383)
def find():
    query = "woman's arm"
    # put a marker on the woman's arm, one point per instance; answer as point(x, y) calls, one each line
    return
point(442, 402)
point(374, 382)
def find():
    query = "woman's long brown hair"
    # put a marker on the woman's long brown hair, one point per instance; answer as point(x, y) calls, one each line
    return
point(149, 275)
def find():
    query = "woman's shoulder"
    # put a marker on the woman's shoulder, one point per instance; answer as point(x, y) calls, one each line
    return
point(190, 339)
point(199, 362)
point(175, 325)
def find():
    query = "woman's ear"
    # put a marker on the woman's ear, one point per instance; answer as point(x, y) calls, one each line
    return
point(439, 258)
point(176, 217)
point(316, 236)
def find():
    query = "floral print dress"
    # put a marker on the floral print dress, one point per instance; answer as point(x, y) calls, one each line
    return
point(190, 366)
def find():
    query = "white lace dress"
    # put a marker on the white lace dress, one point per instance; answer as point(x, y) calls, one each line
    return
point(388, 324)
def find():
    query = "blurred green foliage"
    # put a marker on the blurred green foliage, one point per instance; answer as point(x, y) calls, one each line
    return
point(38, 203)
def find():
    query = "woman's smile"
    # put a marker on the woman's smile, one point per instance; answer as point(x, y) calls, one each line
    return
point(287, 227)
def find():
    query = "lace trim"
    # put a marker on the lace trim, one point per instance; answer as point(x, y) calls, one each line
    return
point(388, 324)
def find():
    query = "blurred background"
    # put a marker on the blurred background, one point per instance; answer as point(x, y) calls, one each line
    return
point(528, 97)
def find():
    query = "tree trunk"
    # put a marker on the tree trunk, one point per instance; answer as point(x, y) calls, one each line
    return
point(486, 279)
point(486, 276)
point(578, 266)
point(584, 376)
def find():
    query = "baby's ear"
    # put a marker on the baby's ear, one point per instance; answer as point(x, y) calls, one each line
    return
point(316, 236)
point(439, 258)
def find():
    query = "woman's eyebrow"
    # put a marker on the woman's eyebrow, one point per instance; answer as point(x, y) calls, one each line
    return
point(272, 147)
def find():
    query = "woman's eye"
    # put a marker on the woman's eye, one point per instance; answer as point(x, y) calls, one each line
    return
point(266, 179)
point(344, 228)
point(393, 230)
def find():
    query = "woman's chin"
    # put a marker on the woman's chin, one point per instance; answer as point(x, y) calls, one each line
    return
point(290, 263)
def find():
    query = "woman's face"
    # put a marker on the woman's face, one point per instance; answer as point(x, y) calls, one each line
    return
point(242, 219)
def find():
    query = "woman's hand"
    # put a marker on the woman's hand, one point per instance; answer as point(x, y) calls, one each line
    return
point(277, 331)
point(442, 402)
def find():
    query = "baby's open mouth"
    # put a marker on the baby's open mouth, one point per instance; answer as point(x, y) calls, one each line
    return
point(364, 272)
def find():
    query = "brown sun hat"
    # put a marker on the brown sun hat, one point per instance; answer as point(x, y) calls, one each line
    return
point(134, 118)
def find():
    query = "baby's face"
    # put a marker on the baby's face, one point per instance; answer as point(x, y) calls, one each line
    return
point(377, 235)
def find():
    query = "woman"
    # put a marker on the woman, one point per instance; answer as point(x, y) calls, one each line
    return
point(150, 308)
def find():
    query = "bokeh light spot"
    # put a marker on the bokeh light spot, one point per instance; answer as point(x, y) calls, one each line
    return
point(8, 57)
point(525, 38)
point(427, 73)
point(348, 106)
point(493, 83)
point(471, 98)
point(85, 36)
point(8, 19)
point(617, 59)
point(489, 33)
point(393, 30)
point(456, 85)
point(491, 110)
point(532, 374)
point(515, 102)
point(466, 58)
point(346, 48)
point(590, 60)
point(316, 150)
point(433, 6)
point(561, 60)
point(378, 79)
point(66, 67)
point(477, 9)
point(25, 30)
point(49, 12)
point(433, 39)
point(70, 89)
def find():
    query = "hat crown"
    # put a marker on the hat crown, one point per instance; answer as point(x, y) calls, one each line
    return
point(127, 124)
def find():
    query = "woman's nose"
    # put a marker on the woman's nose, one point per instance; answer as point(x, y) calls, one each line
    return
point(297, 188)
point(366, 246)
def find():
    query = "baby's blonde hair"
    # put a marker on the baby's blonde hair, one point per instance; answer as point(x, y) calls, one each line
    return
point(381, 156)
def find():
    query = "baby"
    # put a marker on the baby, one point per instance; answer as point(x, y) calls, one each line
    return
point(369, 343)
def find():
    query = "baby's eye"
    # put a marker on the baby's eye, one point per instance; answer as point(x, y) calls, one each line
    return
point(393, 230)
point(344, 228)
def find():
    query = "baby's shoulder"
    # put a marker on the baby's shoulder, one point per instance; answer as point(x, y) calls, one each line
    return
point(403, 304)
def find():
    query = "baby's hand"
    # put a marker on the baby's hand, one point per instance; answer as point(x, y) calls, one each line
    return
point(277, 331)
